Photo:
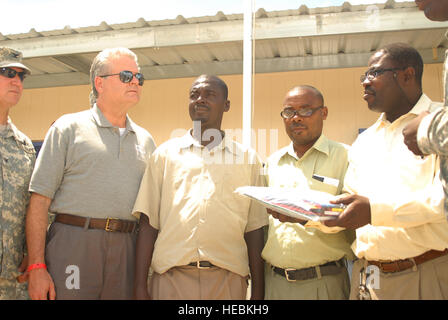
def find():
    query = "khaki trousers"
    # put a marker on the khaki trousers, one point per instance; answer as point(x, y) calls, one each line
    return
point(330, 287)
point(191, 283)
point(90, 264)
point(427, 281)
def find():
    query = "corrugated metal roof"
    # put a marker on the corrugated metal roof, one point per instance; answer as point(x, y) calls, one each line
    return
point(295, 39)
point(220, 16)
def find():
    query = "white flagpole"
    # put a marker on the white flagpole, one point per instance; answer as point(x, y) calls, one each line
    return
point(247, 72)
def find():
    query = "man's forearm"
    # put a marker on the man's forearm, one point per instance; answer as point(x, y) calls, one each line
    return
point(254, 242)
point(36, 227)
point(146, 238)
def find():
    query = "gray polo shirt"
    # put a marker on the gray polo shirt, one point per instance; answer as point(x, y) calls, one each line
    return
point(88, 169)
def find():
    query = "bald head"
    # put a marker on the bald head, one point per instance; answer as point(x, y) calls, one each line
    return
point(303, 116)
point(305, 89)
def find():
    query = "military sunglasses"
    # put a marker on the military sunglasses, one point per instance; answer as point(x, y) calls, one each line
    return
point(127, 76)
point(11, 73)
point(302, 112)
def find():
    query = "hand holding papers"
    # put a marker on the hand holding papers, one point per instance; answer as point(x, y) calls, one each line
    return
point(300, 204)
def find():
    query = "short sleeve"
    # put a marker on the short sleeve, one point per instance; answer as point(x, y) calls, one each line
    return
point(49, 169)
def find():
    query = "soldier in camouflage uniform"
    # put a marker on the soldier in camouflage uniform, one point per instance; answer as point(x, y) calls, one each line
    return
point(17, 158)
point(428, 133)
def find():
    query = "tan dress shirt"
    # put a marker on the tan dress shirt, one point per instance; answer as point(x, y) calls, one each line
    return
point(188, 194)
point(405, 192)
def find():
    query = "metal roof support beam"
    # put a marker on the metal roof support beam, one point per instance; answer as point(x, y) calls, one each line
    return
point(230, 67)
point(75, 63)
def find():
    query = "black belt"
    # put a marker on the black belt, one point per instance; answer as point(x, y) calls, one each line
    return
point(202, 264)
point(292, 275)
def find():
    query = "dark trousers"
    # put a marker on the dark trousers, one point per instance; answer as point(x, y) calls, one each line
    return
point(89, 263)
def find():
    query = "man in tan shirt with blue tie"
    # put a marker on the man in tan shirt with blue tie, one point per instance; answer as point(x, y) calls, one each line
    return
point(305, 260)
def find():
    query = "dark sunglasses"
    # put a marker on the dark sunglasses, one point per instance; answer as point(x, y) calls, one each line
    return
point(11, 73)
point(127, 76)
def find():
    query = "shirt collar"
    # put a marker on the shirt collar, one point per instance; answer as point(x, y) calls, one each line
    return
point(187, 140)
point(102, 121)
point(12, 131)
point(422, 104)
point(320, 145)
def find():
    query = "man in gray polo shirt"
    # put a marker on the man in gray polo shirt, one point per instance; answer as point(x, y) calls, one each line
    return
point(88, 174)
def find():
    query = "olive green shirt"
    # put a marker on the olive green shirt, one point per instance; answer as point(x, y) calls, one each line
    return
point(292, 245)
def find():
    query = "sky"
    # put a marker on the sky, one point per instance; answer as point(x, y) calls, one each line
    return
point(45, 15)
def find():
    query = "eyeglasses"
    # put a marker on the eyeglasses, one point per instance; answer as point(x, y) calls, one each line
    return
point(11, 73)
point(302, 112)
point(372, 74)
point(127, 76)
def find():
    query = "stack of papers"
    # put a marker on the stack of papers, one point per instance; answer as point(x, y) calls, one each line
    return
point(301, 204)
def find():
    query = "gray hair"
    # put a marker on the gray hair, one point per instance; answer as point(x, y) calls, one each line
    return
point(100, 66)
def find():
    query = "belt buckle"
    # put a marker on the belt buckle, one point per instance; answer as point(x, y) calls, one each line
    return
point(390, 267)
point(287, 275)
point(107, 224)
point(198, 265)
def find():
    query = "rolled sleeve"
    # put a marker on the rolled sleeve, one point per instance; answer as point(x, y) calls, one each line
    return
point(432, 134)
point(422, 133)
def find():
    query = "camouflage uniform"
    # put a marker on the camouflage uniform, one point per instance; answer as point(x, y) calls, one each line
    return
point(432, 134)
point(17, 157)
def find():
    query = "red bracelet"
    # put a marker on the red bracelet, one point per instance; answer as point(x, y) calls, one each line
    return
point(36, 266)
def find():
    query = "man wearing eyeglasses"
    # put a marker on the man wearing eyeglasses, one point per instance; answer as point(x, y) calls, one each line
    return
point(428, 133)
point(17, 158)
point(88, 174)
point(305, 260)
point(395, 199)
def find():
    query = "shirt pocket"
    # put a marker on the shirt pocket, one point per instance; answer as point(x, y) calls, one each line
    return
point(325, 186)
point(29, 149)
point(228, 180)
